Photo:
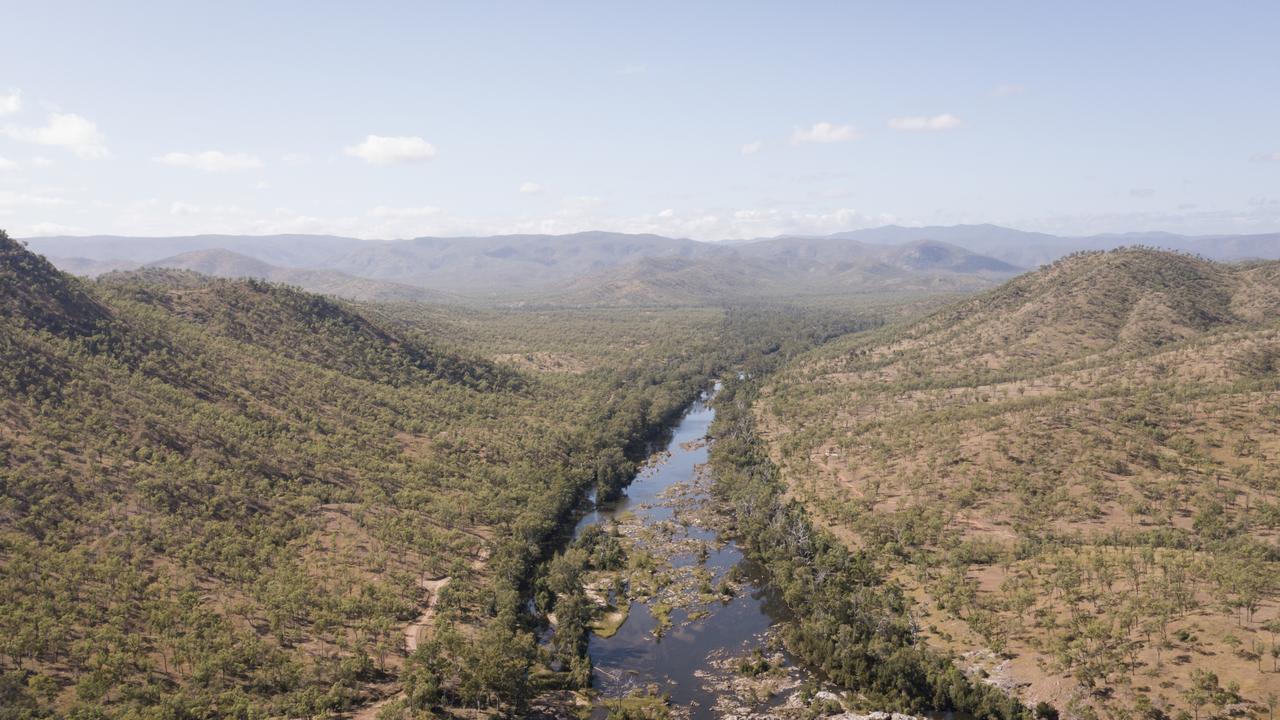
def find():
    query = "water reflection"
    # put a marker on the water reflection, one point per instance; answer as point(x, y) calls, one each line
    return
point(635, 657)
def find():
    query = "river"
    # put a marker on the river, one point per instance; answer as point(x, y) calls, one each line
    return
point(665, 510)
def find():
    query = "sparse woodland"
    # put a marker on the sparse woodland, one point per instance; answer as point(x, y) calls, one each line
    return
point(236, 499)
point(852, 620)
point(229, 498)
point(1076, 477)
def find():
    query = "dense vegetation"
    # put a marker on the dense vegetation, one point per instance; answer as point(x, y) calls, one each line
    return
point(1073, 476)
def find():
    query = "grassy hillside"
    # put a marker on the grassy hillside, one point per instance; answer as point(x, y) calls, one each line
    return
point(227, 498)
point(1073, 473)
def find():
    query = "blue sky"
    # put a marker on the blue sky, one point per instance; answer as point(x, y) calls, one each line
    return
point(706, 120)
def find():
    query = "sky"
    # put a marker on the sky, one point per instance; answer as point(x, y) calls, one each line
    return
point(709, 120)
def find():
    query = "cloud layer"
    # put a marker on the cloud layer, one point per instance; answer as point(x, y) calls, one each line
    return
point(825, 132)
point(65, 130)
point(945, 121)
point(384, 150)
point(211, 161)
point(10, 103)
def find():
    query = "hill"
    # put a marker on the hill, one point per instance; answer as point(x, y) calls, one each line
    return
point(286, 250)
point(232, 498)
point(1072, 473)
point(931, 256)
point(539, 268)
point(1032, 249)
point(786, 268)
point(35, 296)
point(577, 269)
point(226, 264)
point(669, 282)
point(496, 266)
point(840, 252)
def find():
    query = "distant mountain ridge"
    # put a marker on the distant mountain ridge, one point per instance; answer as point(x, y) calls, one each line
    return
point(606, 267)
point(226, 264)
point(1032, 249)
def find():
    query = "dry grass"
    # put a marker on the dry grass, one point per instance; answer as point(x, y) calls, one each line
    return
point(1016, 455)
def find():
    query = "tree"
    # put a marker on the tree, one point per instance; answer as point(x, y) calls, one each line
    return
point(1204, 689)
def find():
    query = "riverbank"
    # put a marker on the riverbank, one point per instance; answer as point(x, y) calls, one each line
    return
point(852, 624)
point(701, 633)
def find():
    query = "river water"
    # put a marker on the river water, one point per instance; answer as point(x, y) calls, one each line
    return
point(667, 494)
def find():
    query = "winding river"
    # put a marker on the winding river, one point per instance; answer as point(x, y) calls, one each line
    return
point(668, 494)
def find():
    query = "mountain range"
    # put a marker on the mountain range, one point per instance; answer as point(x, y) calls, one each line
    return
point(624, 269)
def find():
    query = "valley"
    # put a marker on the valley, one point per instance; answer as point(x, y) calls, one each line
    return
point(824, 360)
point(235, 497)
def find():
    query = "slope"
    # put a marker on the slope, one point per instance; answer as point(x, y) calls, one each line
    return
point(1073, 472)
point(225, 498)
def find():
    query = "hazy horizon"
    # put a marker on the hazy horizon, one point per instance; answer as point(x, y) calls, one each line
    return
point(712, 241)
point(713, 122)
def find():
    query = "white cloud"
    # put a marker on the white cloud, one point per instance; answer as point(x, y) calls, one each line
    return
point(945, 121)
point(210, 161)
point(65, 130)
point(529, 187)
point(1142, 192)
point(41, 161)
point(183, 208)
point(825, 132)
point(1267, 157)
point(632, 70)
point(381, 150)
point(1008, 90)
point(752, 147)
point(6, 164)
point(11, 103)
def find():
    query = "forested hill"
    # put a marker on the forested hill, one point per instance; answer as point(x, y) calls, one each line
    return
point(1099, 303)
point(301, 326)
point(227, 498)
point(1073, 473)
point(37, 296)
